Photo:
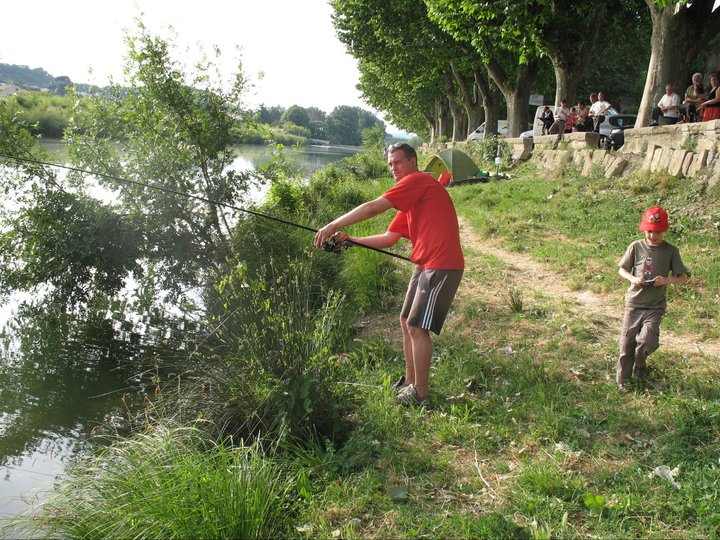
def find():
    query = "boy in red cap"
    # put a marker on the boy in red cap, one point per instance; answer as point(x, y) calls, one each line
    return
point(647, 263)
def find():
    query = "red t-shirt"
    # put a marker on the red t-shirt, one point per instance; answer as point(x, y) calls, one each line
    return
point(426, 215)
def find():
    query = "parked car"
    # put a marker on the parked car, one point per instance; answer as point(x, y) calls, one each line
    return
point(479, 132)
point(612, 129)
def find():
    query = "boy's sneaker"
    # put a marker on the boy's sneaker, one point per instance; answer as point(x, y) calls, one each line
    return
point(622, 388)
point(409, 396)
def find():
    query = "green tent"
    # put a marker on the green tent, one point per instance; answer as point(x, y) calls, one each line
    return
point(453, 161)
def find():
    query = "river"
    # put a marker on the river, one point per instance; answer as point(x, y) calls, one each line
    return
point(64, 381)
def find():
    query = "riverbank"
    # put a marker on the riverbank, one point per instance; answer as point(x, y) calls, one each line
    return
point(527, 436)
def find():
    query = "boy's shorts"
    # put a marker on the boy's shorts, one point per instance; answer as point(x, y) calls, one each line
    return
point(429, 296)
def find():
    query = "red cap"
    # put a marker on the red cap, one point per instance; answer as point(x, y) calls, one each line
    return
point(654, 219)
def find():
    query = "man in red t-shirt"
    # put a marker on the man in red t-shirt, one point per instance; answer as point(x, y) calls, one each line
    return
point(426, 216)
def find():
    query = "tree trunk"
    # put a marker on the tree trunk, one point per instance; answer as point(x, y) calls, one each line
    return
point(566, 83)
point(491, 98)
point(469, 94)
point(570, 40)
point(677, 39)
point(516, 92)
point(667, 64)
point(456, 109)
point(432, 125)
point(444, 123)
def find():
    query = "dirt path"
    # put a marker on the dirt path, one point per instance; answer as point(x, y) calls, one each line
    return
point(549, 283)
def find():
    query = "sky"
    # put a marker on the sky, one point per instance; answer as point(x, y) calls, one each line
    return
point(291, 42)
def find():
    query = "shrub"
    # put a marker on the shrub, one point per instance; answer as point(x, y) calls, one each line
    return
point(486, 149)
point(271, 368)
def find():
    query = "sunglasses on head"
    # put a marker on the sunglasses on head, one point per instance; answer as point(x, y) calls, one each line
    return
point(397, 146)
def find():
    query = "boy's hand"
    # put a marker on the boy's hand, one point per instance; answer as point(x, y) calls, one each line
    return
point(637, 281)
point(661, 280)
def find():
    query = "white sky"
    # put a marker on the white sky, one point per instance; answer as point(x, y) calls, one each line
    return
point(292, 42)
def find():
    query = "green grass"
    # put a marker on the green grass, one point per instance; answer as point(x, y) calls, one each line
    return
point(539, 443)
point(582, 226)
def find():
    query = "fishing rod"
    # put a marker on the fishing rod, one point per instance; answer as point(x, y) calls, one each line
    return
point(330, 245)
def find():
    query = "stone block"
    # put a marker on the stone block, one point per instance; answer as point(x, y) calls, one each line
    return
point(599, 156)
point(649, 157)
point(687, 163)
point(676, 162)
point(544, 142)
point(521, 148)
point(634, 141)
point(580, 140)
point(664, 163)
point(712, 182)
point(656, 156)
point(616, 167)
point(698, 163)
point(588, 163)
point(579, 158)
point(660, 159)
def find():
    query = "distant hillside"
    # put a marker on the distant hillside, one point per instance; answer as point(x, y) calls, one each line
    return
point(37, 78)
point(25, 76)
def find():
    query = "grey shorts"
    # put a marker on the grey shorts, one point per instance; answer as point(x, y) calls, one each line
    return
point(429, 296)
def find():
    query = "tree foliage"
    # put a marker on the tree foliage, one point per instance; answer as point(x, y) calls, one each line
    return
point(297, 115)
point(503, 36)
point(174, 129)
point(71, 242)
point(42, 113)
point(403, 60)
point(345, 124)
point(406, 50)
point(166, 127)
point(53, 234)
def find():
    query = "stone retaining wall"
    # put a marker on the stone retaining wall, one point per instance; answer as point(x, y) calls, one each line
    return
point(682, 150)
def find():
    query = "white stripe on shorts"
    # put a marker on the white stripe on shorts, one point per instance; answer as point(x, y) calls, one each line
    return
point(430, 308)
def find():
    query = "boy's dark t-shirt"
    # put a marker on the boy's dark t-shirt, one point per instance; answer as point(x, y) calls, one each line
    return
point(647, 261)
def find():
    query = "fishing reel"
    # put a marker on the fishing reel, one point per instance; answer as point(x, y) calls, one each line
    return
point(332, 245)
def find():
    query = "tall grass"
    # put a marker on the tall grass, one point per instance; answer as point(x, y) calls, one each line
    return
point(268, 366)
point(169, 483)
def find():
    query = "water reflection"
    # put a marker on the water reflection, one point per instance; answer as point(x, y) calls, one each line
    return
point(307, 159)
point(64, 378)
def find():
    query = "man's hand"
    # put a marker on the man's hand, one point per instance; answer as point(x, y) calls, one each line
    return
point(323, 234)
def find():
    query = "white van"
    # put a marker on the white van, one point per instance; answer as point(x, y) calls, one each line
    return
point(537, 126)
point(479, 132)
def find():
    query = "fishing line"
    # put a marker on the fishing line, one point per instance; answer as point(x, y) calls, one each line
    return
point(189, 196)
